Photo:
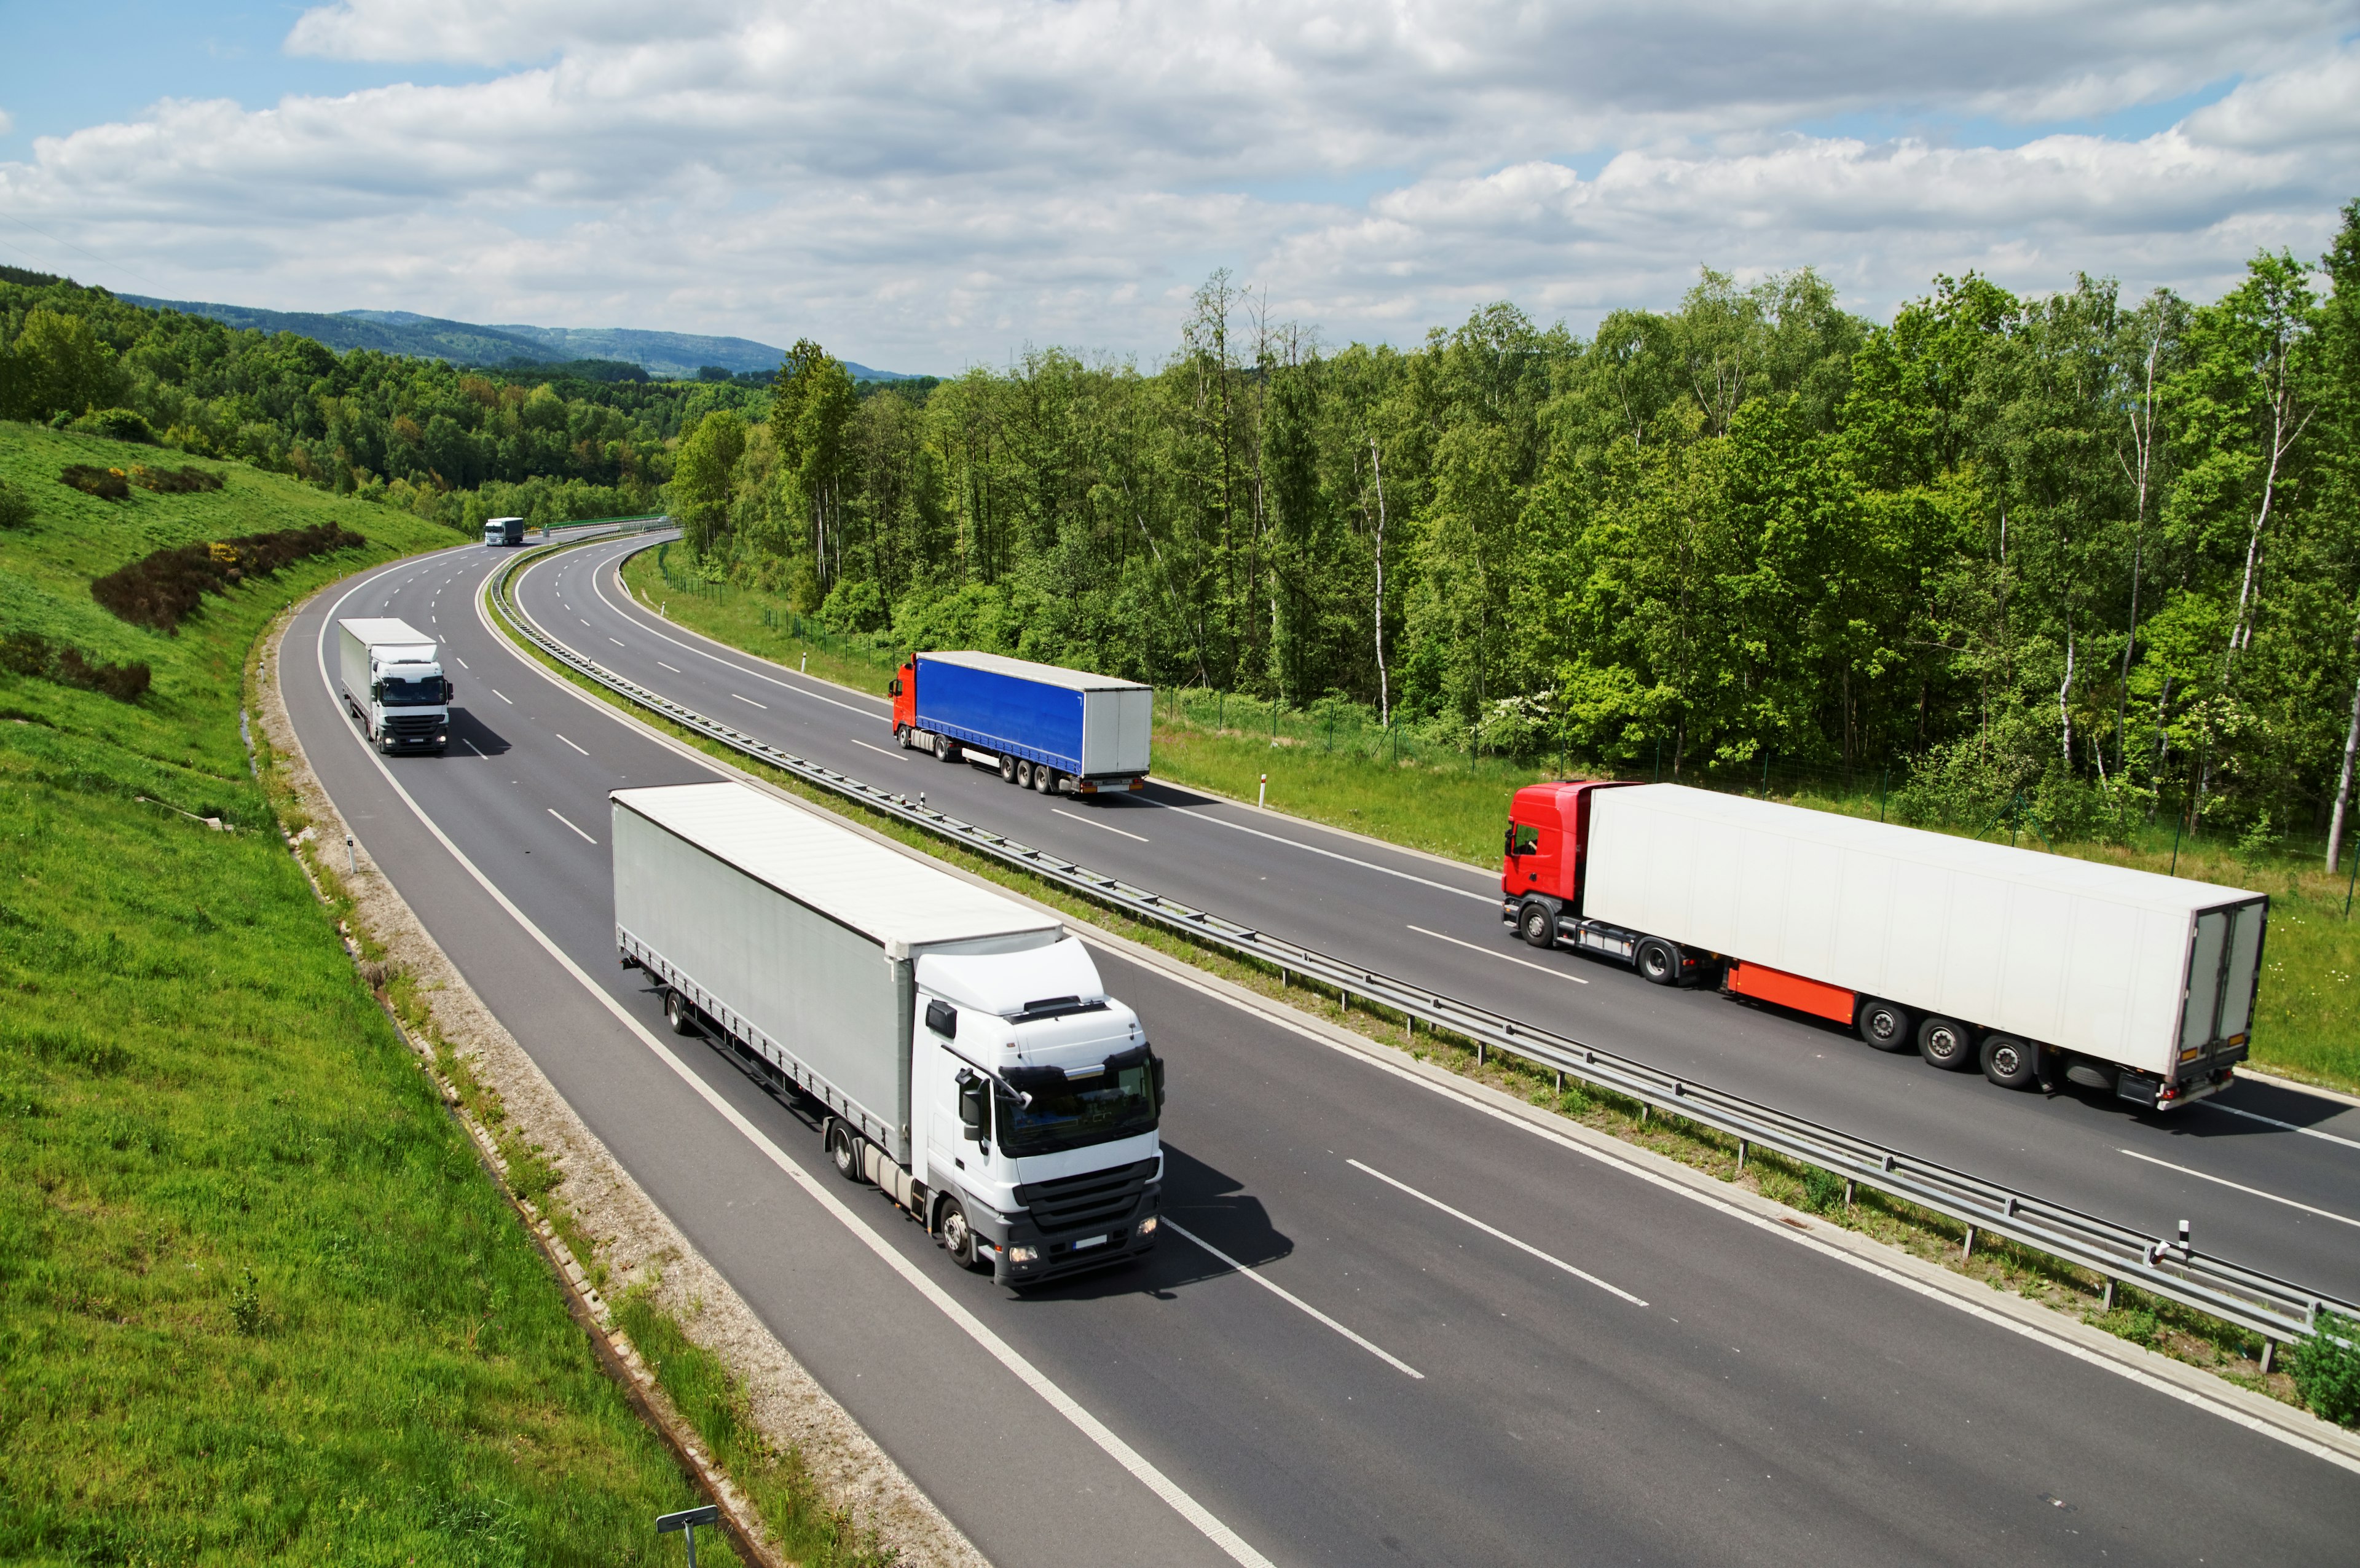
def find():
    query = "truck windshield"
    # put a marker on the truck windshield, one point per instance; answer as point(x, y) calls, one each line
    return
point(1117, 1100)
point(421, 691)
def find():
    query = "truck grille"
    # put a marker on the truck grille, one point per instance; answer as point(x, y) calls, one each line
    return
point(1098, 1198)
point(412, 723)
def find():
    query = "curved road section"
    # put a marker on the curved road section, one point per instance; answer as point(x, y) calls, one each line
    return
point(1389, 1327)
point(2269, 1177)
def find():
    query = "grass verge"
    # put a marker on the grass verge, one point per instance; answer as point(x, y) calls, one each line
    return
point(2172, 1330)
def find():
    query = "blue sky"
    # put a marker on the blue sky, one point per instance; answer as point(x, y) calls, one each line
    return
point(926, 187)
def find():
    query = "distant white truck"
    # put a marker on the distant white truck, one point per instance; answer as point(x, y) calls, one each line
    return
point(393, 683)
point(963, 1052)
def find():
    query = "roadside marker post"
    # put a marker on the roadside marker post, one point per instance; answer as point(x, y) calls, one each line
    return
point(688, 1519)
point(1261, 796)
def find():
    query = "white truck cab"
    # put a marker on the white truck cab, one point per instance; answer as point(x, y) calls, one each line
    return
point(393, 683)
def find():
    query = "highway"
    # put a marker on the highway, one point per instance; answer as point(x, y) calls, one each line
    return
point(1404, 1330)
point(2253, 1186)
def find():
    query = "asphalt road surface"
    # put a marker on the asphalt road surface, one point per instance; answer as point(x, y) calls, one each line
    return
point(2266, 1176)
point(1403, 1330)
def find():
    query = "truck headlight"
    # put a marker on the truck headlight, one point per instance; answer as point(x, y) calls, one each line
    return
point(1147, 1226)
point(1024, 1254)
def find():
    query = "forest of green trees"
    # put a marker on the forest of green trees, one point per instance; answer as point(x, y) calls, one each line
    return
point(2094, 555)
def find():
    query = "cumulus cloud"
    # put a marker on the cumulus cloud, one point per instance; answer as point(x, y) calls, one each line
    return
point(922, 186)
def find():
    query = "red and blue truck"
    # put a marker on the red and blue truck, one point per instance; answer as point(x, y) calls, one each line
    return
point(1043, 727)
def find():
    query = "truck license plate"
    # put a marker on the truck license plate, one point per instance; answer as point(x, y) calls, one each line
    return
point(1094, 1241)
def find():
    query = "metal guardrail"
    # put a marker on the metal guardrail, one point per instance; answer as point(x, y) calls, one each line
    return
point(2279, 1310)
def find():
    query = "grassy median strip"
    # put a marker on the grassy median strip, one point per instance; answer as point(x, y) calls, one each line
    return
point(2172, 1330)
point(260, 1301)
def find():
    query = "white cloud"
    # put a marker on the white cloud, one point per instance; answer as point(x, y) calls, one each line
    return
point(921, 187)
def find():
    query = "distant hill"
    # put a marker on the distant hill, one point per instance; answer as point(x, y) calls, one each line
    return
point(672, 355)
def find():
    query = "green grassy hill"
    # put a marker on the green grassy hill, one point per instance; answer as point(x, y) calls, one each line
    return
point(259, 1302)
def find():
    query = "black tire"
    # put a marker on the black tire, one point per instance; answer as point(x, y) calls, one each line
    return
point(2010, 1062)
point(1008, 769)
point(843, 1151)
point(1044, 778)
point(1023, 774)
point(957, 1239)
point(679, 1013)
point(1946, 1043)
point(947, 749)
point(1536, 923)
point(1657, 961)
point(907, 735)
point(1886, 1025)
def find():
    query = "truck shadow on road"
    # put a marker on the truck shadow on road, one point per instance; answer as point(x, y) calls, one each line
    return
point(1209, 1202)
point(467, 729)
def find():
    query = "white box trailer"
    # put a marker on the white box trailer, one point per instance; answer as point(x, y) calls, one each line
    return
point(2145, 983)
point(392, 677)
point(965, 1053)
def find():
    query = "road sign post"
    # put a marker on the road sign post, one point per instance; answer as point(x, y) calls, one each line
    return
point(687, 1519)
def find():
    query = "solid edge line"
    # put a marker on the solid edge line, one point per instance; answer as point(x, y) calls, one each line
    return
point(1509, 957)
point(2105, 1351)
point(1490, 1230)
point(2240, 1187)
point(1121, 1453)
point(1297, 1303)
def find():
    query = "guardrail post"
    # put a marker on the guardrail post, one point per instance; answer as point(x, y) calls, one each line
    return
point(2269, 1354)
point(1742, 1147)
point(2106, 1302)
point(1968, 1250)
point(1851, 1192)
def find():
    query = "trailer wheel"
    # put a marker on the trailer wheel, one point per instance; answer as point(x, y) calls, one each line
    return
point(1044, 778)
point(1536, 923)
point(1008, 769)
point(947, 749)
point(842, 1152)
point(678, 1014)
point(1946, 1043)
point(2010, 1062)
point(1658, 961)
point(1884, 1025)
point(957, 1239)
point(1023, 774)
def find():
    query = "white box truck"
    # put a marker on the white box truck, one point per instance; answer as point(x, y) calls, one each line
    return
point(2033, 966)
point(964, 1055)
point(393, 682)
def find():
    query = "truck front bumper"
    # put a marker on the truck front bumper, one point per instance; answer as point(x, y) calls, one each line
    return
point(1023, 1254)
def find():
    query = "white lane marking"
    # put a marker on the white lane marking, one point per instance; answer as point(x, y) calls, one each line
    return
point(1495, 952)
point(469, 745)
point(503, 696)
point(2239, 1186)
point(1060, 810)
point(2257, 1116)
point(1332, 854)
point(618, 642)
point(1501, 1235)
point(568, 743)
point(432, 620)
point(585, 623)
point(673, 668)
point(554, 812)
point(463, 663)
point(896, 756)
point(752, 703)
point(1032, 1376)
point(600, 589)
point(1297, 1303)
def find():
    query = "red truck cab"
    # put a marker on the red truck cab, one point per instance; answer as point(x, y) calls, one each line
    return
point(1549, 832)
point(904, 690)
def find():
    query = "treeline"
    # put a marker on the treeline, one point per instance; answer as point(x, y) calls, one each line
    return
point(2091, 559)
point(451, 444)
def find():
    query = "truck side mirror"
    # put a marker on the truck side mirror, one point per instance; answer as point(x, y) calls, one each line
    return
point(1155, 1065)
point(943, 1018)
point(449, 691)
point(1508, 845)
point(893, 687)
point(974, 1114)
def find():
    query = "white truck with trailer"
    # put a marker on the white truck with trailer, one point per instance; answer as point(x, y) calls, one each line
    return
point(391, 674)
point(961, 1048)
point(2033, 966)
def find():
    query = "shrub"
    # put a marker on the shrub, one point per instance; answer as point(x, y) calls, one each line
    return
point(174, 481)
point(159, 589)
point(26, 653)
point(107, 484)
point(117, 424)
point(16, 506)
point(2327, 1370)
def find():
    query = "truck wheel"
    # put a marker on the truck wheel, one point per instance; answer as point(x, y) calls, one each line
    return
point(1658, 961)
point(1044, 778)
point(947, 749)
point(2010, 1062)
point(1884, 1026)
point(1536, 923)
point(907, 735)
point(1946, 1043)
point(678, 1014)
point(843, 1152)
point(1008, 769)
point(957, 1239)
point(1023, 774)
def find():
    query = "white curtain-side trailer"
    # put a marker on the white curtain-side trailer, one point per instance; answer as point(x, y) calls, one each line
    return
point(2031, 965)
point(962, 1050)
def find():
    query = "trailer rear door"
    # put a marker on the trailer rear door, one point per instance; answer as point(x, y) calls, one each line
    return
point(2222, 960)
